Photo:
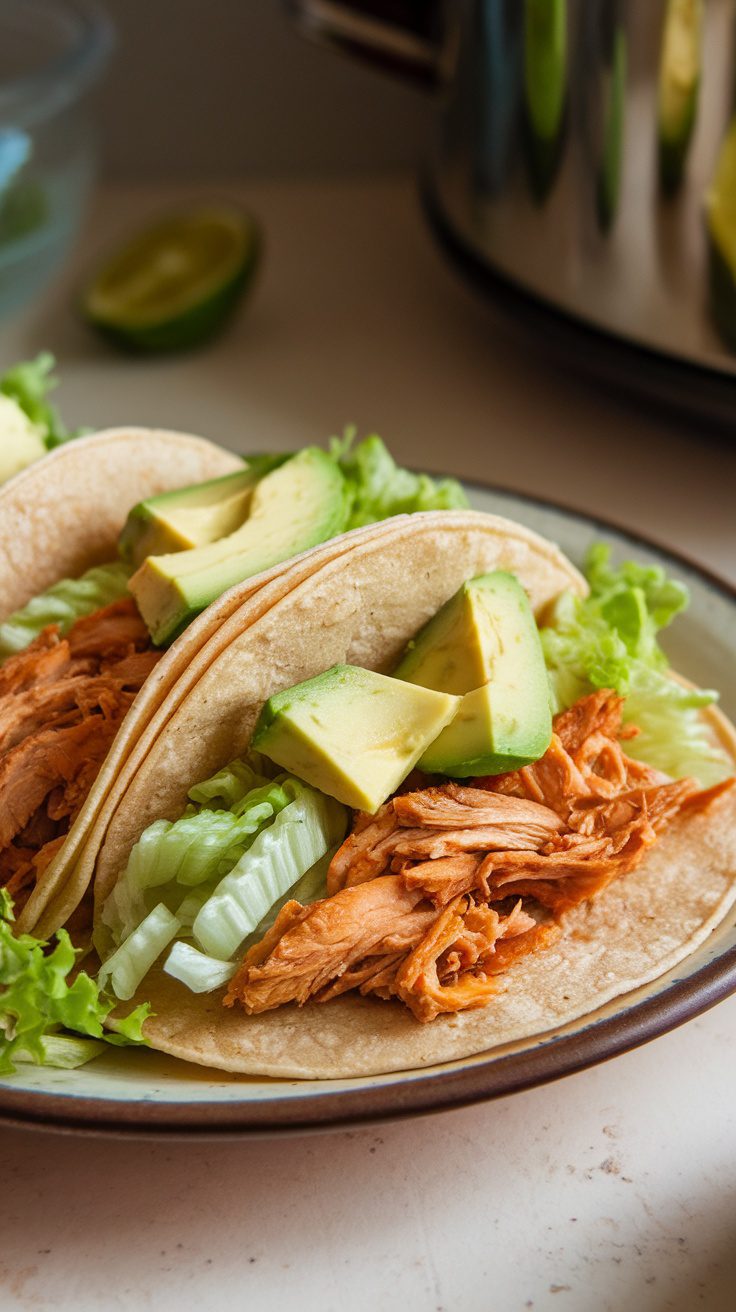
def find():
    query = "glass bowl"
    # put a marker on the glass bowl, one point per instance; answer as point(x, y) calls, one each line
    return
point(51, 52)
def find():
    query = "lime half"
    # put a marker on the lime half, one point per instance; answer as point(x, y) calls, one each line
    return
point(174, 284)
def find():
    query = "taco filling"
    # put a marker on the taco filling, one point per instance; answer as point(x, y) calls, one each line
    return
point(75, 653)
point(448, 885)
point(62, 701)
point(488, 820)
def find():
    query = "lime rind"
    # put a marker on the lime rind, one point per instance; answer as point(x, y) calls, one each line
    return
point(175, 284)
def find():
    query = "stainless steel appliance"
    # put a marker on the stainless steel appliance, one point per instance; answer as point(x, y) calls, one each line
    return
point(580, 161)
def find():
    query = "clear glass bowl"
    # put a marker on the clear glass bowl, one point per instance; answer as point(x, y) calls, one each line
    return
point(51, 52)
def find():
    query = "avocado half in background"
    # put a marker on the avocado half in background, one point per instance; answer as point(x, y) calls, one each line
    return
point(176, 283)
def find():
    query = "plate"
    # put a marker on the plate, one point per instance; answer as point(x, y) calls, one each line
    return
point(140, 1092)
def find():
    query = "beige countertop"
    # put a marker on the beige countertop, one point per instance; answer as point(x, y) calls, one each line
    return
point(612, 1188)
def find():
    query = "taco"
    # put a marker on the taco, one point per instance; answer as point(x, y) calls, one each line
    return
point(275, 928)
point(73, 652)
point(81, 670)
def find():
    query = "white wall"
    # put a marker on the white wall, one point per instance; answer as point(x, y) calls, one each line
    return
point(229, 88)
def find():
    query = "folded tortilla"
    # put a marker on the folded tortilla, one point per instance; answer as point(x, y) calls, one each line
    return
point(355, 606)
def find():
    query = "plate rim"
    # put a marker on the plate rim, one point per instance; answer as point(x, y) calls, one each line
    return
point(427, 1093)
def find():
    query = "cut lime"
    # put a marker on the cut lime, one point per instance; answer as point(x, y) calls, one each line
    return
point(174, 285)
point(679, 87)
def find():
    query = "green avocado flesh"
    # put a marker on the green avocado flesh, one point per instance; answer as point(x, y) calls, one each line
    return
point(192, 516)
point(293, 508)
point(188, 517)
point(351, 733)
point(484, 644)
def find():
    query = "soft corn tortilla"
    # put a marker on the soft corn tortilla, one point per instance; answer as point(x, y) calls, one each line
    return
point(639, 928)
point(358, 608)
point(231, 615)
point(62, 515)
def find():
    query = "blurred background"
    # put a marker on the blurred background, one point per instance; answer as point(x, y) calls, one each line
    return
point(577, 157)
point(231, 90)
point(574, 161)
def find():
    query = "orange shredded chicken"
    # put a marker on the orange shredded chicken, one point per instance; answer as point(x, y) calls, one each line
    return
point(62, 700)
point(449, 885)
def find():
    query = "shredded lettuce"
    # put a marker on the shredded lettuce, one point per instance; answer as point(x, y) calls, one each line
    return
point(379, 488)
point(202, 973)
point(609, 640)
point(64, 1050)
point(128, 965)
point(29, 384)
point(280, 855)
point(199, 972)
point(63, 604)
point(38, 999)
point(242, 843)
point(173, 858)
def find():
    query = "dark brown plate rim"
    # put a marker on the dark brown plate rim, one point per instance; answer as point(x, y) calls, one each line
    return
point(437, 1090)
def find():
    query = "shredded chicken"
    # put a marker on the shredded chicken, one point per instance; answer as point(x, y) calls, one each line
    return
point(62, 700)
point(311, 950)
point(418, 904)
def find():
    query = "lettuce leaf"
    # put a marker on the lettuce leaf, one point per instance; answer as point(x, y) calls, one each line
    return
point(38, 999)
point(63, 604)
point(379, 488)
point(173, 858)
point(609, 640)
point(281, 854)
point(243, 842)
point(29, 384)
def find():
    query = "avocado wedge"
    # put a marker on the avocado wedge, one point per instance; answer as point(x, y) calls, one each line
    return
point(192, 516)
point(292, 509)
point(484, 644)
point(352, 733)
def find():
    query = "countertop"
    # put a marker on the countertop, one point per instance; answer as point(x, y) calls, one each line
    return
point(613, 1188)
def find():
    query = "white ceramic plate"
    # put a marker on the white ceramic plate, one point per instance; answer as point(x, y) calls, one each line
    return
point(141, 1092)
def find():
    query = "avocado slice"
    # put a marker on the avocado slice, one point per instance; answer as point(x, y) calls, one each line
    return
point(291, 509)
point(352, 733)
point(484, 643)
point(679, 87)
point(192, 516)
